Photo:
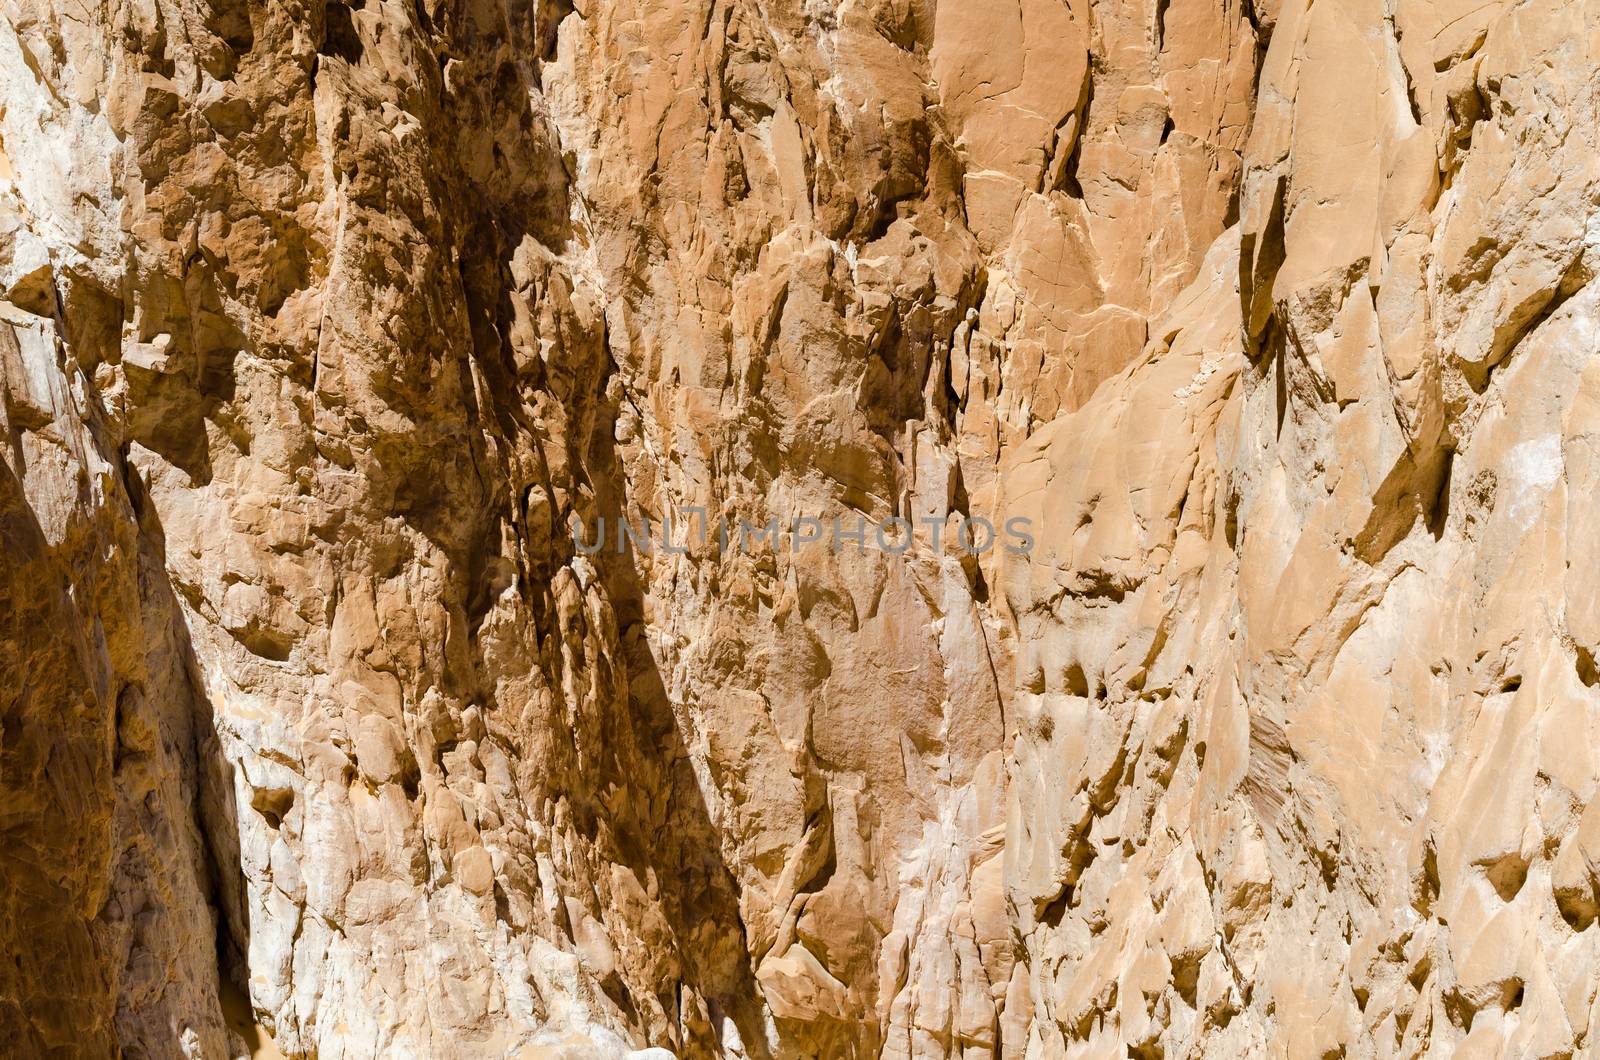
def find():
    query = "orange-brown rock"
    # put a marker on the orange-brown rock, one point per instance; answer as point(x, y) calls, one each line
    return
point(324, 733)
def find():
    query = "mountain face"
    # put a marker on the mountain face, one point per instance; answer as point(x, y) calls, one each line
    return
point(493, 502)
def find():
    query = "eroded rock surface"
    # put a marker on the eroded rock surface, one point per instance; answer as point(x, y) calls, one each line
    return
point(321, 324)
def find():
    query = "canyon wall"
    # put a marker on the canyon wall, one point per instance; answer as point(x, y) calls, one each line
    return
point(322, 733)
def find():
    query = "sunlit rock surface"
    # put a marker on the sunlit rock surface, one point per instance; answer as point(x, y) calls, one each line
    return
point(322, 735)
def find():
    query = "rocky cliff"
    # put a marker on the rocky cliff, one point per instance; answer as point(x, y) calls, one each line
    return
point(335, 337)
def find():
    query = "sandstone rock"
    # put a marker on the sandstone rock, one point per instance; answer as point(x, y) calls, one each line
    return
point(1273, 322)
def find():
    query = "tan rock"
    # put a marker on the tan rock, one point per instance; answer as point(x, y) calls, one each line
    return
point(1271, 322)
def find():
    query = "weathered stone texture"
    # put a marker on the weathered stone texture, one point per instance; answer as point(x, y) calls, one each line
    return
point(321, 323)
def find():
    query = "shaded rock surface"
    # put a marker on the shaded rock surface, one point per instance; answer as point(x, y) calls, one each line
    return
point(321, 733)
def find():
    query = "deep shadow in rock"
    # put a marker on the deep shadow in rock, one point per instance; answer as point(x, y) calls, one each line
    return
point(209, 773)
point(701, 894)
point(115, 802)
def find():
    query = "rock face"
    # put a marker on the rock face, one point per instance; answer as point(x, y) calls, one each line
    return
point(323, 732)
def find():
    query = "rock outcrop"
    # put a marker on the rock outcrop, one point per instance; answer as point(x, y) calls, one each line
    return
point(490, 503)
